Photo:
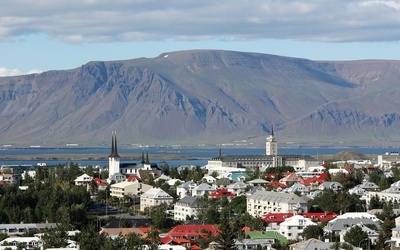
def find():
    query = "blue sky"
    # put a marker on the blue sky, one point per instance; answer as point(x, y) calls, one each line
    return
point(46, 35)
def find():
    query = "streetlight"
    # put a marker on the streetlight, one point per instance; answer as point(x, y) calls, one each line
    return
point(359, 243)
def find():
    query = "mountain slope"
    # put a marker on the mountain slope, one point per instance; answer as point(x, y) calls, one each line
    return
point(204, 96)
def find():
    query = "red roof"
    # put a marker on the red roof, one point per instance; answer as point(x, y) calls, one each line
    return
point(181, 240)
point(99, 182)
point(318, 178)
point(276, 184)
point(133, 177)
point(166, 240)
point(320, 216)
point(276, 217)
point(221, 192)
point(183, 230)
point(195, 247)
point(144, 229)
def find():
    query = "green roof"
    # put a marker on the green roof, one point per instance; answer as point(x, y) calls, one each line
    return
point(267, 235)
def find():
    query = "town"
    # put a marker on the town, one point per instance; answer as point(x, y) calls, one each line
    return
point(268, 201)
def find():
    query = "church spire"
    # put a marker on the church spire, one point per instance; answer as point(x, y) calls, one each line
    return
point(114, 149)
point(147, 157)
point(272, 130)
point(142, 157)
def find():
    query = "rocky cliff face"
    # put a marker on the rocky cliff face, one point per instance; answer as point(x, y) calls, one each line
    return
point(192, 97)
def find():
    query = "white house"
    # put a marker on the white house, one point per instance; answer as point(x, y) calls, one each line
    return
point(390, 194)
point(186, 208)
point(262, 202)
point(292, 227)
point(185, 188)
point(31, 242)
point(121, 189)
point(83, 180)
point(395, 239)
point(201, 189)
point(154, 197)
point(237, 187)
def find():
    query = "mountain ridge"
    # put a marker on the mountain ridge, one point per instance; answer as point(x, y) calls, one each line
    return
point(205, 97)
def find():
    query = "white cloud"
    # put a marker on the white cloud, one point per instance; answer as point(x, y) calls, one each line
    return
point(16, 72)
point(77, 21)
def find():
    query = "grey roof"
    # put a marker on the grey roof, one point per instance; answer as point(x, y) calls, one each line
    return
point(311, 244)
point(189, 200)
point(238, 185)
point(258, 181)
point(368, 185)
point(204, 187)
point(256, 189)
point(186, 185)
point(223, 181)
point(342, 224)
point(277, 197)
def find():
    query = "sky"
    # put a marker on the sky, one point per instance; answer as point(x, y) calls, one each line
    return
point(42, 35)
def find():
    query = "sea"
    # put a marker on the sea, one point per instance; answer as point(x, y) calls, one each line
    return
point(198, 155)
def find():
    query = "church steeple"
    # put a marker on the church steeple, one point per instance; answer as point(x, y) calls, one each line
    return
point(271, 145)
point(114, 148)
point(147, 157)
point(142, 157)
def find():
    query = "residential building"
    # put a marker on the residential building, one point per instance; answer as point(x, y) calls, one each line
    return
point(297, 188)
point(127, 188)
point(313, 244)
point(202, 189)
point(390, 194)
point(292, 227)
point(186, 208)
point(291, 179)
point(154, 197)
point(262, 202)
point(100, 184)
point(188, 235)
point(10, 179)
point(24, 228)
point(185, 188)
point(338, 225)
point(395, 239)
point(83, 180)
point(237, 188)
point(333, 185)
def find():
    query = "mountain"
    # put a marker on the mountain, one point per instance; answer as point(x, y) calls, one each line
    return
point(205, 97)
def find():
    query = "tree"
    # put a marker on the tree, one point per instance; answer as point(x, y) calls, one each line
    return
point(135, 242)
point(56, 237)
point(375, 203)
point(226, 237)
point(356, 236)
point(158, 216)
point(313, 231)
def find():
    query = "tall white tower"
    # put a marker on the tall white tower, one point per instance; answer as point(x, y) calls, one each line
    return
point(271, 146)
point(113, 159)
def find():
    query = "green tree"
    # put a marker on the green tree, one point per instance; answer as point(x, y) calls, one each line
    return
point(158, 216)
point(356, 236)
point(135, 242)
point(226, 237)
point(313, 231)
point(375, 203)
point(56, 237)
